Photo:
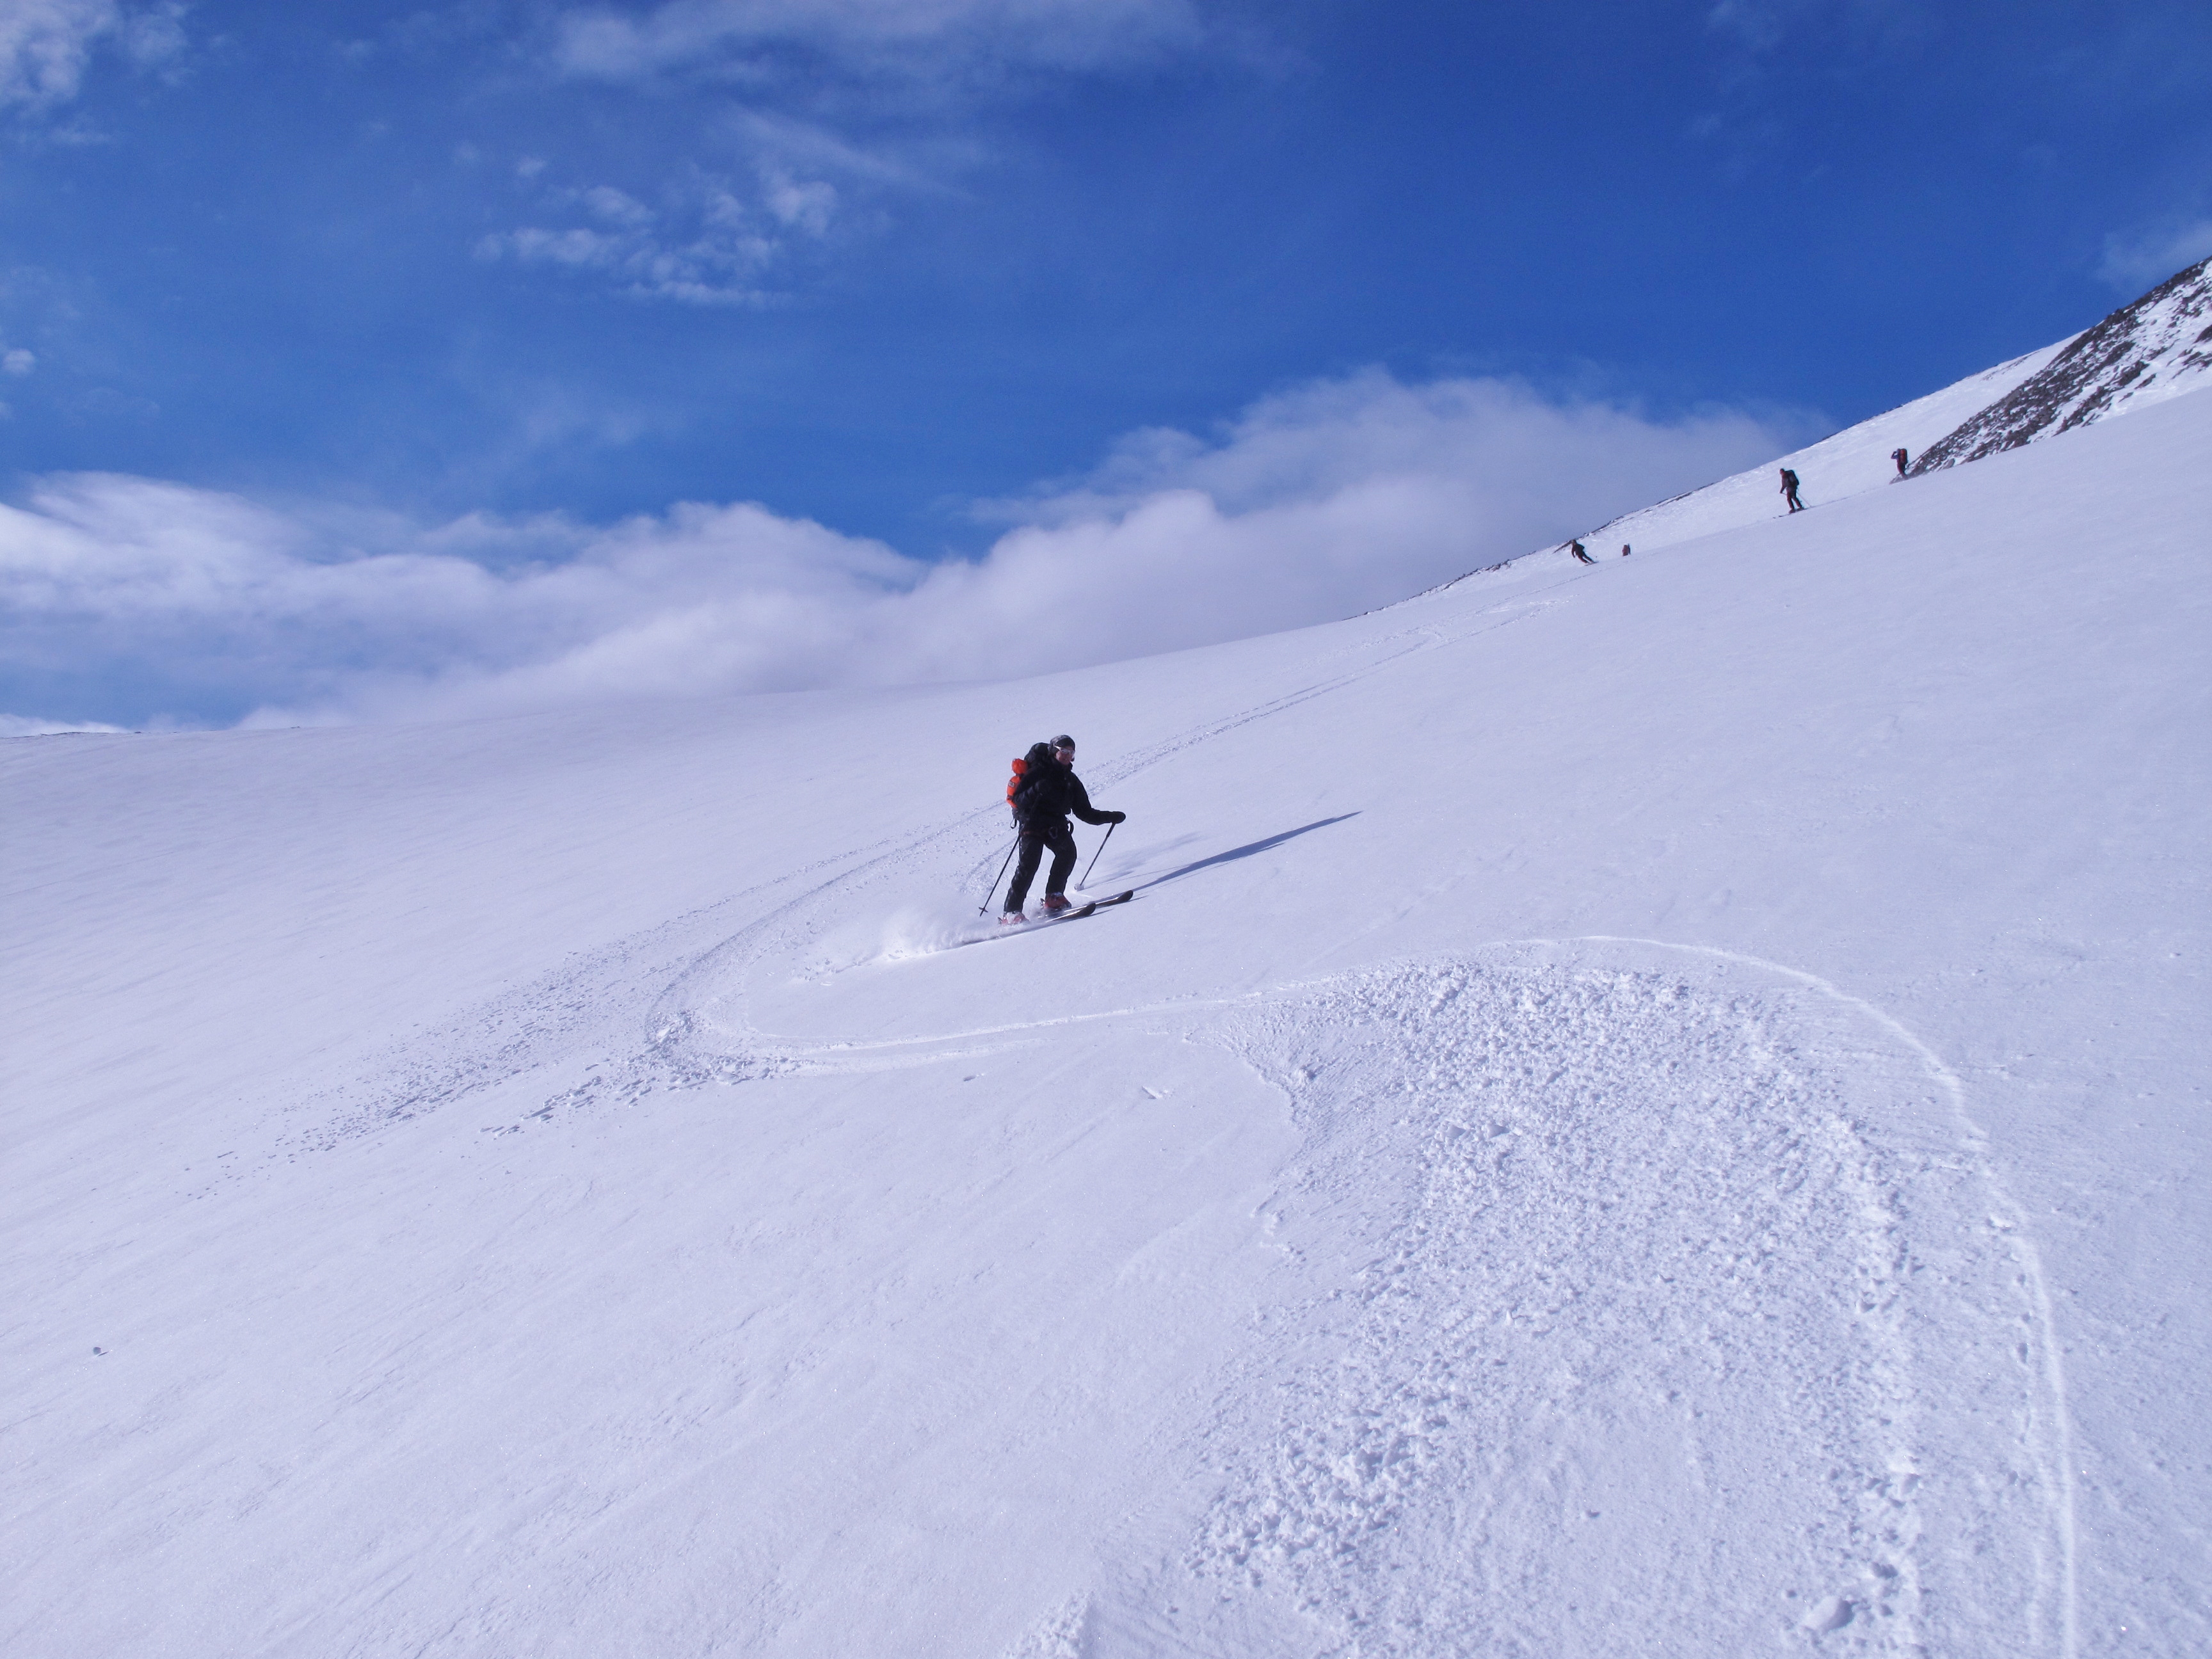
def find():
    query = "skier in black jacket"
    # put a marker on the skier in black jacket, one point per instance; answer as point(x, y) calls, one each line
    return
point(1050, 790)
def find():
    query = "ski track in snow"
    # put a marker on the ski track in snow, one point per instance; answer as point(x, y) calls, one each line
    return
point(655, 980)
point(1649, 1197)
point(1642, 1207)
point(1699, 1200)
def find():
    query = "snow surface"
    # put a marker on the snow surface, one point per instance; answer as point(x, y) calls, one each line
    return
point(1655, 1110)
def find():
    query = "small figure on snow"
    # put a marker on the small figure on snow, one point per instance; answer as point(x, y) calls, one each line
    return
point(1048, 792)
point(1580, 552)
point(1624, 550)
point(1901, 457)
point(1789, 491)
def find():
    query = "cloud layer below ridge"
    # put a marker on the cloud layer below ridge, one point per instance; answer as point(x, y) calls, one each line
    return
point(129, 599)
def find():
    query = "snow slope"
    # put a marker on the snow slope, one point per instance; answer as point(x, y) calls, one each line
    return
point(1846, 463)
point(1654, 1109)
point(2152, 348)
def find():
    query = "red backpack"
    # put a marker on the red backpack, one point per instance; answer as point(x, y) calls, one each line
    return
point(1015, 782)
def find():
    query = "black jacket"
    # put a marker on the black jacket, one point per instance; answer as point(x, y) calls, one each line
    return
point(1049, 792)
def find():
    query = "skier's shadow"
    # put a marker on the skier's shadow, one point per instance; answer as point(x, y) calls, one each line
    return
point(1246, 852)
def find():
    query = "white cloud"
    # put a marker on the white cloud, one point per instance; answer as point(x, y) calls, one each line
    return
point(155, 36)
point(2137, 261)
point(702, 246)
point(18, 361)
point(615, 207)
point(30, 725)
point(1757, 23)
point(1761, 24)
point(828, 105)
point(804, 206)
point(910, 38)
point(46, 45)
point(1316, 504)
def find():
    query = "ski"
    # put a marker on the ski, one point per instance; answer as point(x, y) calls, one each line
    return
point(1082, 910)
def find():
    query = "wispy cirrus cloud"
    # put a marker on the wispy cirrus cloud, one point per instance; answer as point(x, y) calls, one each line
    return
point(812, 113)
point(2138, 259)
point(45, 45)
point(807, 120)
point(700, 242)
point(1325, 500)
point(740, 38)
point(1764, 25)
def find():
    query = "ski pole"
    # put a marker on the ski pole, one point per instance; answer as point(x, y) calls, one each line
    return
point(1093, 864)
point(1002, 876)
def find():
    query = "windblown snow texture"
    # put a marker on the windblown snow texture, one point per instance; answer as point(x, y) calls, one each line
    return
point(2156, 347)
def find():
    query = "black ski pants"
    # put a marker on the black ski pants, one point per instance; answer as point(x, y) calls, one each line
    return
point(1061, 840)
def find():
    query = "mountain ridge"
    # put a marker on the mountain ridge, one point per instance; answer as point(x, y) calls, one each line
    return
point(2156, 346)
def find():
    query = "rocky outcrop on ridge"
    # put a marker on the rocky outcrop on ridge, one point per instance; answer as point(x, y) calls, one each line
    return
point(2155, 347)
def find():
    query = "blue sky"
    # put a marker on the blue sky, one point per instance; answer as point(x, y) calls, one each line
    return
point(378, 269)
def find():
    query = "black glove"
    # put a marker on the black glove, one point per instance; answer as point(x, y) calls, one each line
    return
point(1117, 817)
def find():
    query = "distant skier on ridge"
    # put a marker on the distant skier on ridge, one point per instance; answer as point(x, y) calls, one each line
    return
point(1901, 457)
point(1789, 491)
point(1580, 552)
point(1048, 792)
